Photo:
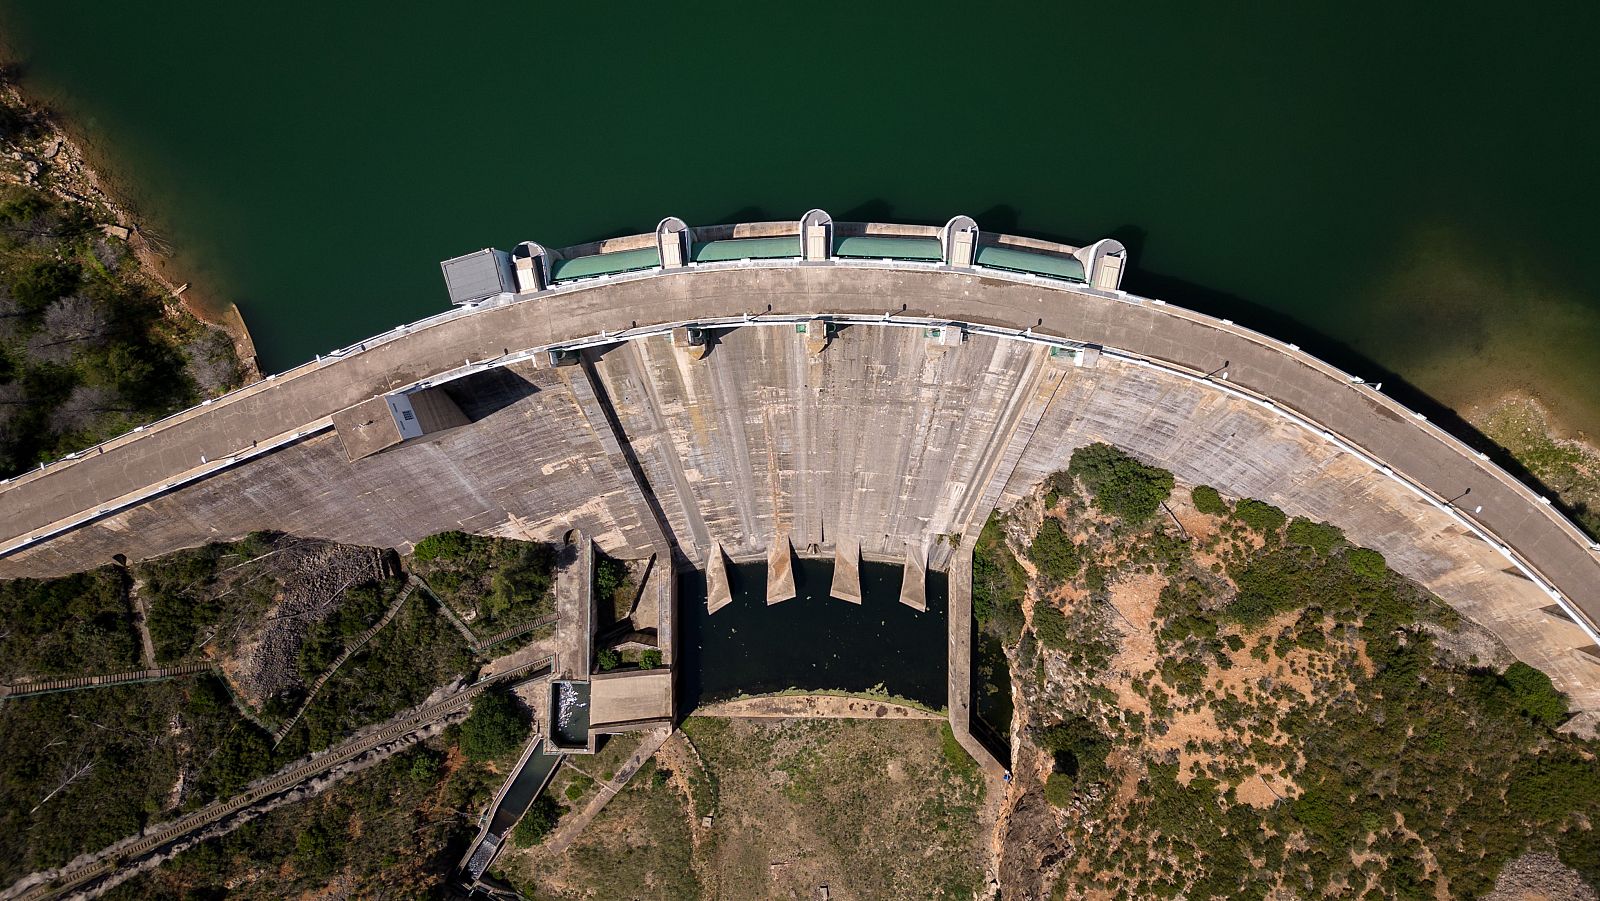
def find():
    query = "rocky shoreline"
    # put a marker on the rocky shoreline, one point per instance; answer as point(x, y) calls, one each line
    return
point(39, 154)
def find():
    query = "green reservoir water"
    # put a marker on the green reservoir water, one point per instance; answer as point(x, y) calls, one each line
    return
point(1407, 184)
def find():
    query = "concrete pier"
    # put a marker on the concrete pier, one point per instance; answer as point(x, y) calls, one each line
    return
point(847, 572)
point(914, 583)
point(719, 593)
point(780, 571)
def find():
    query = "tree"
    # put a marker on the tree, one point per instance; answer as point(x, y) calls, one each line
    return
point(1367, 563)
point(1319, 536)
point(1535, 694)
point(495, 728)
point(1050, 624)
point(1053, 552)
point(1260, 515)
point(43, 282)
point(1121, 485)
point(537, 822)
point(998, 583)
point(609, 659)
point(1208, 501)
point(650, 659)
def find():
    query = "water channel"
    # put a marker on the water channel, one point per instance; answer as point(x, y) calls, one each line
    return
point(813, 641)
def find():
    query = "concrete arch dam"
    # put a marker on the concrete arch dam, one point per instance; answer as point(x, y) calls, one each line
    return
point(670, 396)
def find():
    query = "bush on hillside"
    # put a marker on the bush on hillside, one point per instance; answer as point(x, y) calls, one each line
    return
point(1054, 553)
point(537, 822)
point(1121, 485)
point(1050, 625)
point(495, 728)
point(1367, 563)
point(1208, 501)
point(1319, 536)
point(1260, 515)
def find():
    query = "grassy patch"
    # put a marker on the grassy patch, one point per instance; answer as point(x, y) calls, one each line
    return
point(494, 583)
point(417, 652)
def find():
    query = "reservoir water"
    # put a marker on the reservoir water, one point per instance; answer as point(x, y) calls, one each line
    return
point(1405, 183)
point(813, 641)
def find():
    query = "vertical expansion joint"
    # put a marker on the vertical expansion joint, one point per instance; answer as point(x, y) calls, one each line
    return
point(816, 236)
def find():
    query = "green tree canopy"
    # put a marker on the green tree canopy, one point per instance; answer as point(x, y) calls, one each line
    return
point(495, 728)
point(1121, 485)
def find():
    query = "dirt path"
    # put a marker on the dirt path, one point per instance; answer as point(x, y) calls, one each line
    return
point(141, 622)
point(816, 707)
point(568, 830)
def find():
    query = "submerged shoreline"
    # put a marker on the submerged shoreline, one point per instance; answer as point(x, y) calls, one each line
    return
point(64, 170)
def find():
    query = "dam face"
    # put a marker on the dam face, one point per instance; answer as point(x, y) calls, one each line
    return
point(885, 404)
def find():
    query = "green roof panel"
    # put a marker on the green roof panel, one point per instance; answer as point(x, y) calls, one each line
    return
point(746, 249)
point(893, 247)
point(605, 264)
point(1047, 264)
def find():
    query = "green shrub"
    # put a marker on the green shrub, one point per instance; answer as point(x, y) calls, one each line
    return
point(537, 822)
point(1080, 749)
point(1208, 501)
point(495, 728)
point(1368, 564)
point(1050, 625)
point(1319, 536)
point(650, 659)
point(493, 582)
point(39, 284)
point(1058, 789)
point(608, 659)
point(1054, 553)
point(609, 575)
point(1121, 486)
point(1535, 695)
point(1259, 515)
point(444, 546)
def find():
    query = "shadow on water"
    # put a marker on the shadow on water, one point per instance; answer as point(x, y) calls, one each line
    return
point(813, 641)
point(992, 706)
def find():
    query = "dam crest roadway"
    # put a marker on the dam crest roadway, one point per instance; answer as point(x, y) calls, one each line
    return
point(858, 391)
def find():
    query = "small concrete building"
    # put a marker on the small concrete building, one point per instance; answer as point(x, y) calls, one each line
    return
point(479, 276)
point(387, 420)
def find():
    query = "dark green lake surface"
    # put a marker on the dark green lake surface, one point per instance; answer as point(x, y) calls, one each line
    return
point(813, 641)
point(1411, 183)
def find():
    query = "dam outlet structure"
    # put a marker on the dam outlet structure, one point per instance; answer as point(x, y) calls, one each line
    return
point(711, 396)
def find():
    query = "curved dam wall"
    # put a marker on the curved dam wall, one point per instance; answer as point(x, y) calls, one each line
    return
point(880, 431)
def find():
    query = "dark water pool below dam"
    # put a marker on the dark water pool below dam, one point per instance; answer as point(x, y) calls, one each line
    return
point(813, 641)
